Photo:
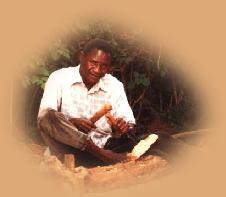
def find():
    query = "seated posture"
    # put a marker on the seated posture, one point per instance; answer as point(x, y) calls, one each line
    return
point(73, 95)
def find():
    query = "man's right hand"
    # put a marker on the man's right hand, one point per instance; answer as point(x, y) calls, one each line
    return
point(83, 124)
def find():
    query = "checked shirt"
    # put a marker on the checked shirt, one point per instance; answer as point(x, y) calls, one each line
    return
point(66, 92)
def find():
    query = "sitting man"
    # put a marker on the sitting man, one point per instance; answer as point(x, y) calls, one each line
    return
point(73, 95)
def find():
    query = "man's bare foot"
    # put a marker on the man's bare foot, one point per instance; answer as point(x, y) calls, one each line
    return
point(131, 157)
point(107, 156)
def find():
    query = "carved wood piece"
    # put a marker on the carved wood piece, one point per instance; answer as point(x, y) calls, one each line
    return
point(106, 108)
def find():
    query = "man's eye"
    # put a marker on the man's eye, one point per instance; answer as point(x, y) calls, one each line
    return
point(93, 62)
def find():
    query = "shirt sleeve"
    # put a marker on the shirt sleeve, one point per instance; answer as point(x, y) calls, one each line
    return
point(122, 107)
point(52, 93)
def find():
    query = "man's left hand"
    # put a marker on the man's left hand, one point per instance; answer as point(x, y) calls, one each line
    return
point(120, 126)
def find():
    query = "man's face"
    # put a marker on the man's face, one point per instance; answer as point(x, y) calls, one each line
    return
point(94, 65)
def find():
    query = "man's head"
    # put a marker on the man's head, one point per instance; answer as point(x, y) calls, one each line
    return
point(95, 60)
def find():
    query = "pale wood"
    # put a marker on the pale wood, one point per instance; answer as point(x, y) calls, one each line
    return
point(69, 161)
point(105, 109)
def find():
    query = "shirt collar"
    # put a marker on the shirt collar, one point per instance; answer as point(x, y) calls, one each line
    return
point(101, 85)
point(77, 78)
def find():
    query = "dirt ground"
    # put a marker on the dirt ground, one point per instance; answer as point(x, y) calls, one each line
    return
point(100, 178)
point(104, 177)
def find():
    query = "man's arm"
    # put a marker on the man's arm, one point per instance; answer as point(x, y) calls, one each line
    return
point(52, 93)
point(86, 125)
point(123, 115)
point(83, 124)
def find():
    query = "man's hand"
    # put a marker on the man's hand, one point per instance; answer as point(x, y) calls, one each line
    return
point(120, 126)
point(83, 124)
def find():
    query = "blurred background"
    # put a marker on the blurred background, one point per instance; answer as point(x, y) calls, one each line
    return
point(160, 96)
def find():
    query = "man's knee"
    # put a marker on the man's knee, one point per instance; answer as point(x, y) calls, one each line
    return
point(45, 116)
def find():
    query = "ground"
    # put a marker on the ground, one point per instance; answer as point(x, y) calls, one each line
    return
point(107, 177)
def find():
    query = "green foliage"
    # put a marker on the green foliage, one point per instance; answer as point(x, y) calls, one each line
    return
point(150, 82)
point(141, 79)
point(38, 79)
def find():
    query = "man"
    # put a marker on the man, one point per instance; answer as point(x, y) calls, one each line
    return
point(72, 95)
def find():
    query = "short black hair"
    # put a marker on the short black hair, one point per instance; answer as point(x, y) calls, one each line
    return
point(97, 43)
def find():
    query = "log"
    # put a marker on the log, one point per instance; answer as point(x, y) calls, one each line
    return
point(69, 161)
point(188, 134)
point(195, 138)
point(125, 174)
point(106, 177)
point(65, 176)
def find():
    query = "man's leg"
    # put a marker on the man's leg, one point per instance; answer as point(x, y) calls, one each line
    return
point(120, 145)
point(56, 148)
point(59, 133)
